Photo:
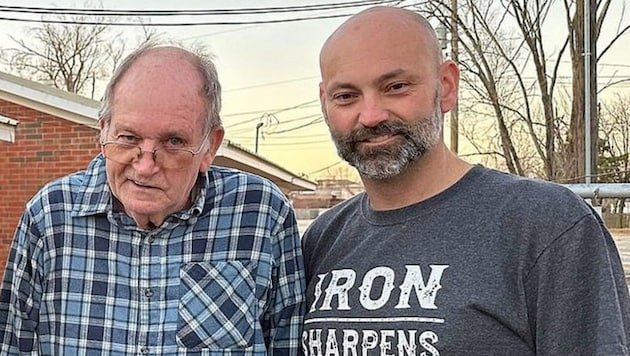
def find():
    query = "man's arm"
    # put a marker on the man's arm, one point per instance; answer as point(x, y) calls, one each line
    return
point(20, 293)
point(285, 314)
point(577, 296)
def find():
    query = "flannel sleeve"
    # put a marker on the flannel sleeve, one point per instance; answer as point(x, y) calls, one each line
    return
point(285, 313)
point(21, 291)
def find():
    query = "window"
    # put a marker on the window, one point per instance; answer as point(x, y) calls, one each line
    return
point(7, 129)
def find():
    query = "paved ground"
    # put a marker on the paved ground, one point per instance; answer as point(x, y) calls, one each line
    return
point(622, 239)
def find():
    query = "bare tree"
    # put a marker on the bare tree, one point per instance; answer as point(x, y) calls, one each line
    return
point(67, 56)
point(496, 64)
point(73, 57)
point(502, 46)
point(614, 150)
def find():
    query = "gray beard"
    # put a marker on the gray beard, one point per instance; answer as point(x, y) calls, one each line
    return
point(413, 141)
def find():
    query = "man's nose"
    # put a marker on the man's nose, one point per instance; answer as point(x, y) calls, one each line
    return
point(372, 111)
point(146, 158)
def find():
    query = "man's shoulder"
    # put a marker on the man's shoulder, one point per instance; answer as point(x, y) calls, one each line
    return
point(514, 186)
point(232, 178)
point(70, 183)
point(228, 182)
point(525, 201)
point(63, 191)
point(57, 194)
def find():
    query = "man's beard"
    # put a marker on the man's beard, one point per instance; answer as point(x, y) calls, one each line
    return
point(386, 161)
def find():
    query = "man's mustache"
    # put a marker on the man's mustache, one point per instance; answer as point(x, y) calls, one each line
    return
point(384, 128)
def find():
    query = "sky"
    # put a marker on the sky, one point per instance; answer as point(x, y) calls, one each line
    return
point(269, 73)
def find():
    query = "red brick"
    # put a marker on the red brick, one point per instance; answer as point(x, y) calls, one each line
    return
point(45, 147)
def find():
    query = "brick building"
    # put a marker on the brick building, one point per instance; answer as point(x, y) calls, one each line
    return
point(46, 133)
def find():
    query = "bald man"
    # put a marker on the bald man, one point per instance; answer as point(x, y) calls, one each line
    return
point(438, 256)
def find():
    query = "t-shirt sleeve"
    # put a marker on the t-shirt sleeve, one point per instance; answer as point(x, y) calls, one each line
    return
point(577, 297)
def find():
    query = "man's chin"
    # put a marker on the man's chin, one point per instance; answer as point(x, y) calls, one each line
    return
point(143, 206)
point(383, 171)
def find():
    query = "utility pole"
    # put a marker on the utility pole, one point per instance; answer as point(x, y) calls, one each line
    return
point(587, 91)
point(455, 58)
point(258, 126)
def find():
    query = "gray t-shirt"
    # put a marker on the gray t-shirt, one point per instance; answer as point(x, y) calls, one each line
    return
point(494, 265)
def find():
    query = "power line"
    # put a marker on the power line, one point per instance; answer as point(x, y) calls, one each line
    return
point(182, 24)
point(153, 13)
point(272, 83)
point(196, 12)
point(325, 168)
point(292, 137)
point(308, 104)
point(319, 148)
point(219, 32)
point(267, 144)
point(299, 119)
point(316, 121)
point(265, 113)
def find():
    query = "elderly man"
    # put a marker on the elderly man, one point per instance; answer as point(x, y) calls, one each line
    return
point(151, 250)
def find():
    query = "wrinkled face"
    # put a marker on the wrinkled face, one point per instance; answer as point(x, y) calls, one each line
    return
point(153, 107)
point(381, 95)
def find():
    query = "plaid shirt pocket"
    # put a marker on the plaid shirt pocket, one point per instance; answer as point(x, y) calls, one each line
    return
point(217, 306)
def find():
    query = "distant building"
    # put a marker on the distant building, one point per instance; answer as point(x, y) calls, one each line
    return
point(329, 192)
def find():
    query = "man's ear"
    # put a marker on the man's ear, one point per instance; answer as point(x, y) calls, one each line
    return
point(215, 138)
point(449, 80)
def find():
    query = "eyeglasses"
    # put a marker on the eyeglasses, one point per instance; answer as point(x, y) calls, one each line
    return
point(127, 153)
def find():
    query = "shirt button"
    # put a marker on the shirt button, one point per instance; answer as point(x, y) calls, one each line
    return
point(148, 292)
point(144, 349)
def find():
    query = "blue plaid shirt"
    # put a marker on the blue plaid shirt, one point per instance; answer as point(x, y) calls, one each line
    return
point(224, 277)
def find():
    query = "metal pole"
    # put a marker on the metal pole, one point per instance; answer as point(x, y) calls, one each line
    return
point(258, 126)
point(601, 190)
point(587, 91)
point(455, 57)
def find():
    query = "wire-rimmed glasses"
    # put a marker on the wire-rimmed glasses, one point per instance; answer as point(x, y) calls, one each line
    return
point(126, 153)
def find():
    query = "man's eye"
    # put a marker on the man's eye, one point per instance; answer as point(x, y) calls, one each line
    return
point(398, 87)
point(175, 142)
point(127, 139)
point(343, 97)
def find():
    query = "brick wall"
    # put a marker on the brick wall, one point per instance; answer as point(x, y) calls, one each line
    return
point(45, 147)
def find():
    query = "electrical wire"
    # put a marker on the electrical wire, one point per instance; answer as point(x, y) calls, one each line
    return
point(179, 24)
point(197, 12)
point(309, 104)
point(325, 168)
point(316, 121)
point(272, 83)
point(104, 14)
point(266, 144)
point(266, 113)
point(292, 137)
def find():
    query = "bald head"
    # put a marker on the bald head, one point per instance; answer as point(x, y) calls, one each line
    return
point(171, 64)
point(383, 25)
